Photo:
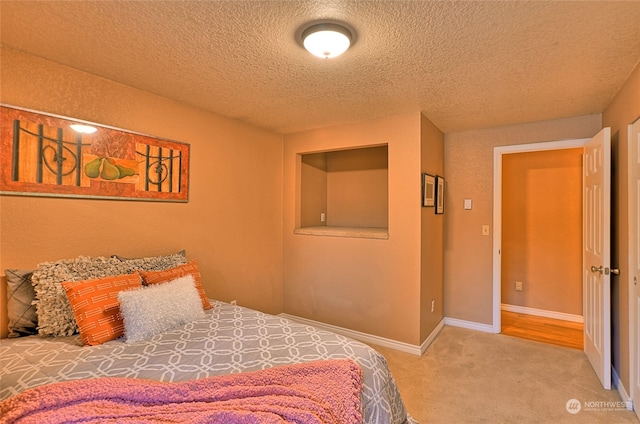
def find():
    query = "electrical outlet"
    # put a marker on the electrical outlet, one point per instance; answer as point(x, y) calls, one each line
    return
point(323, 217)
point(234, 302)
point(433, 305)
point(518, 285)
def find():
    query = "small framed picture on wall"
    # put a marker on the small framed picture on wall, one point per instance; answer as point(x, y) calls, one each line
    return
point(439, 201)
point(428, 190)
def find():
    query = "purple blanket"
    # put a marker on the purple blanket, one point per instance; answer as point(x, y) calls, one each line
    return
point(323, 392)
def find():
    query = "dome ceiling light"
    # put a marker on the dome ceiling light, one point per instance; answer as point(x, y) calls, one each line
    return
point(327, 40)
point(83, 129)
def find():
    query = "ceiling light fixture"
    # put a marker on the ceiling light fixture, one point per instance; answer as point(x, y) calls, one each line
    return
point(327, 40)
point(84, 129)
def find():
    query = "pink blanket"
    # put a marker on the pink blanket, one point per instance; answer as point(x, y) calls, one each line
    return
point(326, 392)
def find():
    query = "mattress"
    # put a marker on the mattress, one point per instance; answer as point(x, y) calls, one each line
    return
point(229, 339)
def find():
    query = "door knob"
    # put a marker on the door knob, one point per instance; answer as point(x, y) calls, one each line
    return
point(598, 269)
point(615, 271)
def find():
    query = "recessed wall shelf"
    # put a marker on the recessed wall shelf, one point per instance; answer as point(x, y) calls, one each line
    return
point(344, 193)
point(353, 232)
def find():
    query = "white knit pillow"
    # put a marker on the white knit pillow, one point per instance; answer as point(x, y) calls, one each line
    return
point(160, 307)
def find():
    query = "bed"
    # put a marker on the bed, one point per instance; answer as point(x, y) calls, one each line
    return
point(227, 339)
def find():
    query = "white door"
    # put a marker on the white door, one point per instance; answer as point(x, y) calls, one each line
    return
point(634, 263)
point(596, 246)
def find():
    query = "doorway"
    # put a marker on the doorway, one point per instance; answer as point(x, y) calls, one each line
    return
point(527, 297)
point(541, 282)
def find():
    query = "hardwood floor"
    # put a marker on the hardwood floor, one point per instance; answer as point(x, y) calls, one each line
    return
point(547, 330)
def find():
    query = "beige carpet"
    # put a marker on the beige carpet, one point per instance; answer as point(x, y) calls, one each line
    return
point(473, 377)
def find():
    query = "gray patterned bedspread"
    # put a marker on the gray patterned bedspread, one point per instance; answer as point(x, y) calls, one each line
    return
point(230, 339)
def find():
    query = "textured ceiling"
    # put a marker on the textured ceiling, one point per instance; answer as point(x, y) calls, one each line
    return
point(465, 65)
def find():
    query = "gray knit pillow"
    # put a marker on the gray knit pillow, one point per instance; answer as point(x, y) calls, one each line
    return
point(55, 316)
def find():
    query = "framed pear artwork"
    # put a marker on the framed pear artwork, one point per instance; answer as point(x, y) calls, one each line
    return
point(49, 155)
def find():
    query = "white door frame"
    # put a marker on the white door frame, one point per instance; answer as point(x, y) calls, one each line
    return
point(634, 259)
point(498, 152)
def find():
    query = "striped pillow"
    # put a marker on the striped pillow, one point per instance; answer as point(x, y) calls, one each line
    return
point(96, 308)
point(190, 268)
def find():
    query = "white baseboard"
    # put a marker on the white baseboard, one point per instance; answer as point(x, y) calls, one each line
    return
point(454, 322)
point(431, 337)
point(369, 338)
point(542, 313)
point(621, 390)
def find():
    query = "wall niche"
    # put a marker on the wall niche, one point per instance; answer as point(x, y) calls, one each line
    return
point(344, 193)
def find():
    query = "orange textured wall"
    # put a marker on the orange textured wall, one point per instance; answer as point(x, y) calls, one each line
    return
point(432, 233)
point(313, 200)
point(357, 188)
point(622, 111)
point(371, 286)
point(468, 255)
point(232, 224)
point(358, 198)
point(542, 230)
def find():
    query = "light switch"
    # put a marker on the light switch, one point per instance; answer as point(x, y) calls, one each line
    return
point(485, 230)
point(467, 204)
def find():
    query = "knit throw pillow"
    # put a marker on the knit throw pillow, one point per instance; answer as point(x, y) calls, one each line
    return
point(160, 307)
point(158, 277)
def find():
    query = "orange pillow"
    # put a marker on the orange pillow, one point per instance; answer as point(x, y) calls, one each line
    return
point(158, 277)
point(96, 308)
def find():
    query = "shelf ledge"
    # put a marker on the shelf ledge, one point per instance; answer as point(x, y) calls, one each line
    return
point(349, 232)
